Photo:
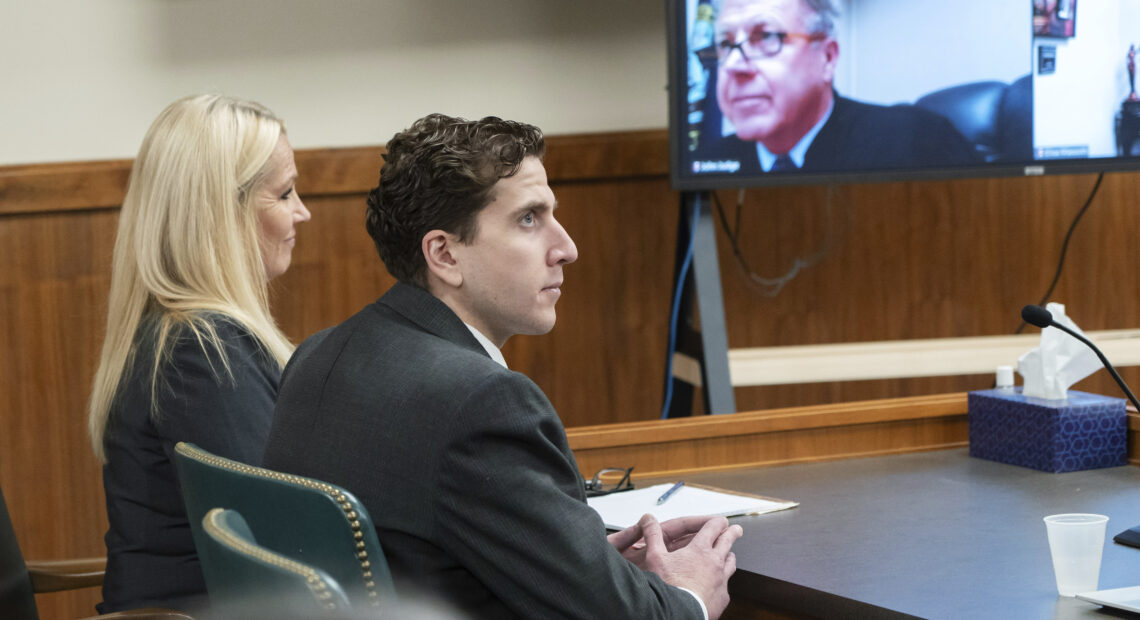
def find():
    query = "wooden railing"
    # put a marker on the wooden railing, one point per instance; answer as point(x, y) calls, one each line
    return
point(660, 448)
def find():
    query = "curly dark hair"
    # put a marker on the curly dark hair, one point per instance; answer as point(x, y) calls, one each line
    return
point(438, 174)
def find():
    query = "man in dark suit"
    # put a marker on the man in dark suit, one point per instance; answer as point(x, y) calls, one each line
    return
point(463, 464)
point(775, 67)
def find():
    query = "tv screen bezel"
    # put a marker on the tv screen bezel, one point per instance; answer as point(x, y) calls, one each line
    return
point(677, 49)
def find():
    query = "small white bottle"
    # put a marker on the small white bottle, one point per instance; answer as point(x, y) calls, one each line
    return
point(1003, 378)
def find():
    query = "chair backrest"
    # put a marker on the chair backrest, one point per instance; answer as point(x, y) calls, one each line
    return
point(973, 110)
point(308, 520)
point(996, 117)
point(1015, 120)
point(17, 600)
point(248, 580)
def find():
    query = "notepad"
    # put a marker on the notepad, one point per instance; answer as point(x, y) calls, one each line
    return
point(624, 509)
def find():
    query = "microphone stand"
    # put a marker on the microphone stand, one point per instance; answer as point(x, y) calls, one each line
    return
point(1103, 360)
point(1131, 536)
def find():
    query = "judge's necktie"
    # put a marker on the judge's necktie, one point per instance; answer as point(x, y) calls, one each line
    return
point(784, 163)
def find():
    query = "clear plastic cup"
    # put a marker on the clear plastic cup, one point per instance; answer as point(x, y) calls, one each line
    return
point(1076, 542)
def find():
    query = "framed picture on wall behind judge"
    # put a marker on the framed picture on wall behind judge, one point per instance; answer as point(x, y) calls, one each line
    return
point(1054, 18)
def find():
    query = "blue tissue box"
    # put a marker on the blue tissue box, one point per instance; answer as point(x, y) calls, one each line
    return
point(1083, 431)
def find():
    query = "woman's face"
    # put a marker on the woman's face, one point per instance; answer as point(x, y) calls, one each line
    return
point(279, 210)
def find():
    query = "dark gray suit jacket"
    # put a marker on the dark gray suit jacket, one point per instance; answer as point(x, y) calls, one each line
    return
point(463, 465)
point(864, 136)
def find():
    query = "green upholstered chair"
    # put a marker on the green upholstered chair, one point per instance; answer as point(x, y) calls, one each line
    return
point(307, 520)
point(247, 580)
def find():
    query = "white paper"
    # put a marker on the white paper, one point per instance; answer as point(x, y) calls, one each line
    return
point(624, 509)
point(1058, 362)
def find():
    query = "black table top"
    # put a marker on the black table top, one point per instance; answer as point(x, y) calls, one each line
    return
point(933, 534)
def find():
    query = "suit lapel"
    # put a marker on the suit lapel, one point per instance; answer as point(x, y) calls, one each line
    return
point(831, 148)
point(430, 314)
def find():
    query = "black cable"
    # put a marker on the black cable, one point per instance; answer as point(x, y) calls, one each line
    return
point(739, 214)
point(1065, 248)
point(724, 225)
point(675, 309)
point(772, 286)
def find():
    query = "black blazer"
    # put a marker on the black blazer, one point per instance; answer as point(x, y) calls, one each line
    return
point(151, 560)
point(463, 465)
point(863, 136)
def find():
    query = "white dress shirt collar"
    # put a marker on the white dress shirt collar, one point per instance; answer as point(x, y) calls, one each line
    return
point(490, 347)
point(799, 151)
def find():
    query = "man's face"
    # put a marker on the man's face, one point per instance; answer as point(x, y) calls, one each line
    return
point(773, 99)
point(512, 268)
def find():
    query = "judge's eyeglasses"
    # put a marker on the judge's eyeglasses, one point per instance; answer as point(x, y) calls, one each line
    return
point(758, 43)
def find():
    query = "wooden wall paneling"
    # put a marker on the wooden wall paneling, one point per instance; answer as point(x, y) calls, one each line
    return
point(611, 156)
point(926, 259)
point(907, 260)
point(332, 172)
point(62, 187)
point(53, 283)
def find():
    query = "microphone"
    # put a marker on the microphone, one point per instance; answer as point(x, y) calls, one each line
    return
point(1040, 317)
point(1036, 315)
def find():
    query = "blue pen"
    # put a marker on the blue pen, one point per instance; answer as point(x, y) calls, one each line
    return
point(673, 489)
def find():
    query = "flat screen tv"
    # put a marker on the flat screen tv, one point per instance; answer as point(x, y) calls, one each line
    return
point(770, 92)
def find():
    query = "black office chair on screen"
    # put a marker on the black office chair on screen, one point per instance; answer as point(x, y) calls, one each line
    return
point(995, 116)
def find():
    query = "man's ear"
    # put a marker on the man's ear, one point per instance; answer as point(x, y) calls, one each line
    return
point(830, 59)
point(441, 264)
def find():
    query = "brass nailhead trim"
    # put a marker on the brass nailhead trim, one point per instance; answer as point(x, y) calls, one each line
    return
point(213, 526)
point(328, 489)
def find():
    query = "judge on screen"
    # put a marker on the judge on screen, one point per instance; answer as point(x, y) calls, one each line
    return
point(775, 62)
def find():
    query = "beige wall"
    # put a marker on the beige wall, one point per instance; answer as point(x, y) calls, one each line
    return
point(82, 79)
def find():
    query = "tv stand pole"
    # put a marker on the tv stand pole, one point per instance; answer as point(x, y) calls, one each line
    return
point(708, 346)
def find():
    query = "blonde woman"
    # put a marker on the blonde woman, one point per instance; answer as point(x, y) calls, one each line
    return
point(191, 350)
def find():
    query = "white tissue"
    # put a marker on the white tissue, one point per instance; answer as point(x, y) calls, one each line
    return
point(1058, 362)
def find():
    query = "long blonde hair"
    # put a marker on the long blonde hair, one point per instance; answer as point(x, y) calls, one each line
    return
point(187, 243)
